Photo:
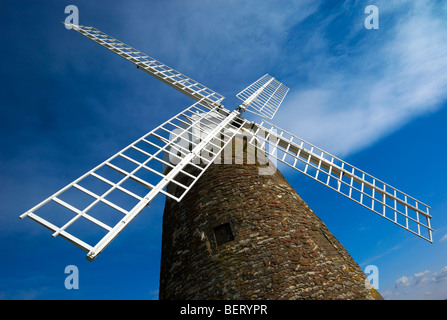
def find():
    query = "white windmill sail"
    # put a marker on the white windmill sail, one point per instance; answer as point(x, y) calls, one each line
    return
point(379, 197)
point(173, 156)
point(109, 196)
point(151, 66)
point(263, 97)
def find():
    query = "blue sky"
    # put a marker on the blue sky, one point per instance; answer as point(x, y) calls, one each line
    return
point(376, 98)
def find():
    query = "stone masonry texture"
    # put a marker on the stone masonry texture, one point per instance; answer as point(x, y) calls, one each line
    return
point(239, 235)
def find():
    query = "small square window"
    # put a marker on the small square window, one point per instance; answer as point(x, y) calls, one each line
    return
point(223, 234)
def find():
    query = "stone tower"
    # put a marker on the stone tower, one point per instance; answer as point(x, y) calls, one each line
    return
point(238, 234)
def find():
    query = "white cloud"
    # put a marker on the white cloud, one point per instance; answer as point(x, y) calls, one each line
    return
point(204, 38)
point(416, 279)
point(444, 238)
point(387, 82)
point(440, 276)
point(421, 285)
point(403, 282)
point(357, 91)
point(425, 277)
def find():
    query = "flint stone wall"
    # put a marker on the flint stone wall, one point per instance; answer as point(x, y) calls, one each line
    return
point(241, 235)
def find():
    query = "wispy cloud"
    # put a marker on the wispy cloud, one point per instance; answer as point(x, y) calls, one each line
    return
point(425, 284)
point(374, 85)
point(204, 38)
point(416, 279)
point(369, 261)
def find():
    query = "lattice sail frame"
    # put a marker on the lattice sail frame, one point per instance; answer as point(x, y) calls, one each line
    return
point(355, 184)
point(192, 139)
point(155, 68)
point(263, 97)
point(173, 156)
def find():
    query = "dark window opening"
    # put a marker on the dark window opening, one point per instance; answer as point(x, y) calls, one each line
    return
point(223, 234)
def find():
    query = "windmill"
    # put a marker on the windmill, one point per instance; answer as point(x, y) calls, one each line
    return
point(172, 158)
